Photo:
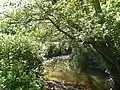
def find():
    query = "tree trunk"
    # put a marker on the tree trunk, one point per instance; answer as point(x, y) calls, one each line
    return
point(110, 62)
point(97, 7)
point(115, 73)
point(106, 52)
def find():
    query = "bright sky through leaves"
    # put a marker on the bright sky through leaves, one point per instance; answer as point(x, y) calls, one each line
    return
point(3, 6)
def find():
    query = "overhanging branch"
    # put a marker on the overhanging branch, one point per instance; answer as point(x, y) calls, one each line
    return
point(61, 29)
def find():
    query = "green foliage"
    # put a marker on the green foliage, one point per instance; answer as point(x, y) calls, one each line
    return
point(72, 22)
point(20, 63)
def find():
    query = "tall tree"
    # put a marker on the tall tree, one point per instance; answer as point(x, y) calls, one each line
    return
point(90, 24)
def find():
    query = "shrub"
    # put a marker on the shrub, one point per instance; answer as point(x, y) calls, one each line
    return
point(20, 63)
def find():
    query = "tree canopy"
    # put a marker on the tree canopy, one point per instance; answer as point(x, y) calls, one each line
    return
point(73, 23)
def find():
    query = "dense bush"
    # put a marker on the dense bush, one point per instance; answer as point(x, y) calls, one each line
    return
point(20, 63)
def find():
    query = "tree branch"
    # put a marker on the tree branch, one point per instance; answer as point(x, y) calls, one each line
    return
point(61, 29)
